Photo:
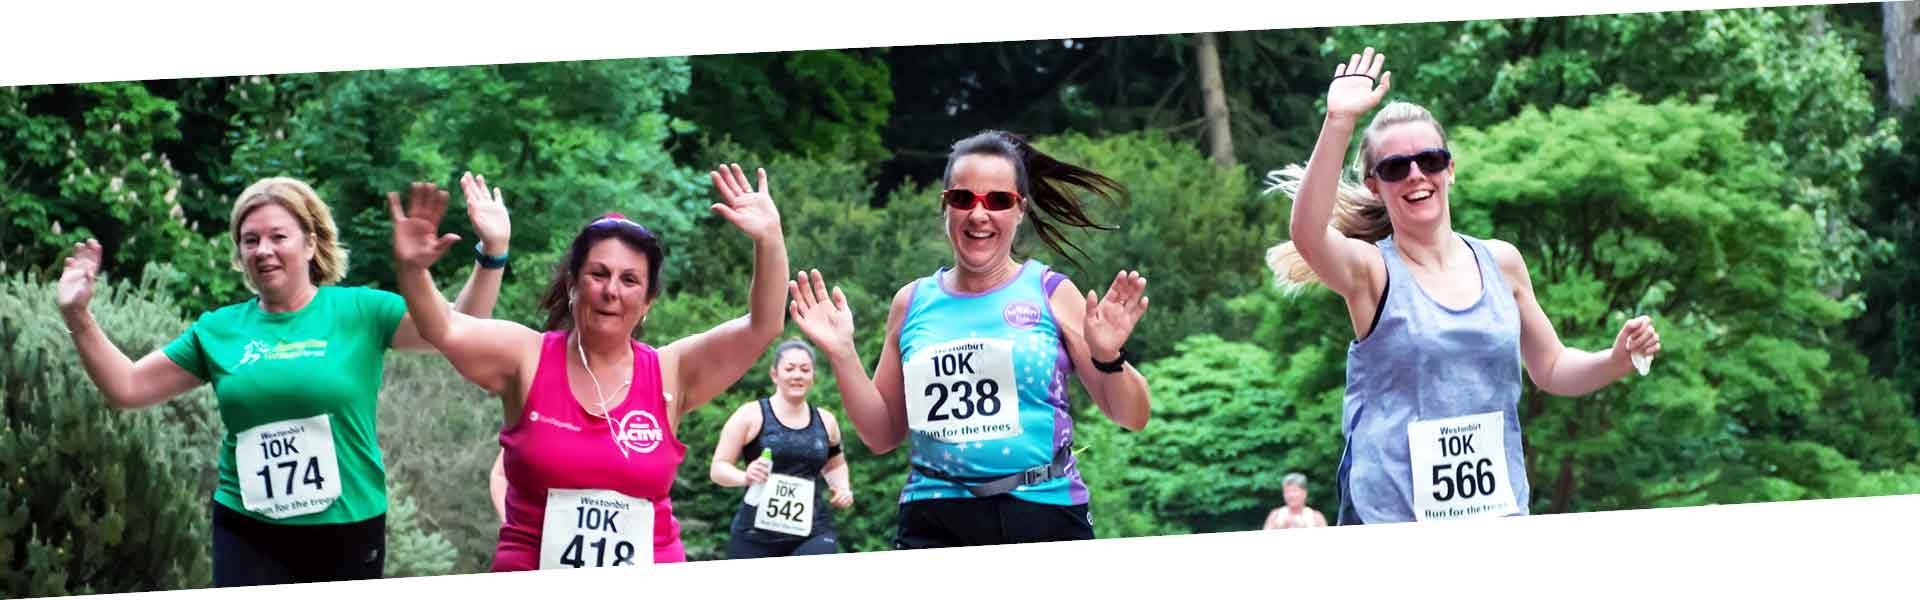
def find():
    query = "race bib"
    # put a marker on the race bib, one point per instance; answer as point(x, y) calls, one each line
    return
point(595, 528)
point(287, 468)
point(1460, 468)
point(786, 506)
point(963, 391)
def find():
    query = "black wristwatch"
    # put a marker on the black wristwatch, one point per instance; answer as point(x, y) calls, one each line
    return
point(1118, 364)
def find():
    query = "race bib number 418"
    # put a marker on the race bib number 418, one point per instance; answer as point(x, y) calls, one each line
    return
point(595, 528)
point(1460, 468)
point(963, 391)
point(287, 468)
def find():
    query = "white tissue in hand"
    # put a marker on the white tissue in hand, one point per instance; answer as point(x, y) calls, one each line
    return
point(1641, 363)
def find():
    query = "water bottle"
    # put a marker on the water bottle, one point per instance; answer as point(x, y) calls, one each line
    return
point(753, 491)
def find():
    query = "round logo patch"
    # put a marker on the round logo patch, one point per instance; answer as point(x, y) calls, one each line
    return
point(1021, 314)
point(640, 432)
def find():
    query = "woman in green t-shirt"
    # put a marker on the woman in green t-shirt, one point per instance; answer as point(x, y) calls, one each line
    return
point(297, 370)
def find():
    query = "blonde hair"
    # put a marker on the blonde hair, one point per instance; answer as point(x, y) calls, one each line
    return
point(1357, 212)
point(329, 262)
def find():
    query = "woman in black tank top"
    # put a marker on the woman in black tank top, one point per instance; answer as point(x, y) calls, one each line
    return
point(778, 517)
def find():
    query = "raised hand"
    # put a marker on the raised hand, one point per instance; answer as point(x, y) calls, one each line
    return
point(749, 209)
point(1351, 95)
point(77, 279)
point(1636, 338)
point(488, 211)
point(1111, 319)
point(417, 242)
point(828, 324)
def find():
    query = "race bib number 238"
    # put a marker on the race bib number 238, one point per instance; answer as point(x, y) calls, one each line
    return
point(963, 391)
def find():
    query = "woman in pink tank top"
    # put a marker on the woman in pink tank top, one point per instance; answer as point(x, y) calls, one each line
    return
point(590, 439)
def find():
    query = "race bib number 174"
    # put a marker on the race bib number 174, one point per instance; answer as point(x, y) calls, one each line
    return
point(1460, 468)
point(287, 468)
point(963, 391)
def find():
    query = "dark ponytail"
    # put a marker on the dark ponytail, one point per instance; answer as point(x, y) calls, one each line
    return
point(1044, 182)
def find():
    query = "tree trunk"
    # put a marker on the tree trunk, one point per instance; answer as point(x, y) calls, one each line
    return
point(1214, 92)
point(1903, 51)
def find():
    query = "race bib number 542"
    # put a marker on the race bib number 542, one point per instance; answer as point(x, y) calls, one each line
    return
point(786, 506)
point(287, 468)
point(1460, 468)
point(963, 391)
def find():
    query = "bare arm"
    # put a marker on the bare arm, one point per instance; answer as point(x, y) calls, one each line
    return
point(1554, 367)
point(125, 383)
point(1349, 267)
point(710, 362)
point(497, 485)
point(492, 354)
point(489, 215)
point(1122, 396)
point(741, 427)
point(876, 406)
point(835, 471)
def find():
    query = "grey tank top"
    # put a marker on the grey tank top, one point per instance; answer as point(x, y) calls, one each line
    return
point(1424, 361)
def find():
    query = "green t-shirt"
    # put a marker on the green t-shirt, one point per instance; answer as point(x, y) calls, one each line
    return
point(284, 381)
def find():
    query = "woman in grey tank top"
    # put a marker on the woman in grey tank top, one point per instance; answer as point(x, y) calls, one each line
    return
point(1442, 321)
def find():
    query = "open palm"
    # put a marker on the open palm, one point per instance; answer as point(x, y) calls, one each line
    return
point(1354, 96)
point(417, 242)
point(747, 208)
point(1110, 319)
point(828, 323)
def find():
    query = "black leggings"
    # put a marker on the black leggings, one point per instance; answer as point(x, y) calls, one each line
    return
point(747, 542)
point(248, 551)
point(1001, 519)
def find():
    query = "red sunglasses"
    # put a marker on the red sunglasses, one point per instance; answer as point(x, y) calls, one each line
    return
point(960, 199)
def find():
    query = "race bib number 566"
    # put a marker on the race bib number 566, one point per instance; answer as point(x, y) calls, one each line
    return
point(287, 468)
point(1460, 468)
point(963, 391)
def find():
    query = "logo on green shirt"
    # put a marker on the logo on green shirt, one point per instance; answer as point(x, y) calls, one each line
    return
point(257, 350)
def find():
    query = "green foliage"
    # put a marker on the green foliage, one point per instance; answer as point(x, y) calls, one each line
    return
point(97, 500)
point(1889, 330)
point(1809, 109)
point(1625, 208)
point(412, 548)
point(1227, 425)
point(1196, 232)
point(80, 162)
point(808, 103)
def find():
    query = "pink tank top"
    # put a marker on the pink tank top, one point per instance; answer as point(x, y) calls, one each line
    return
point(558, 444)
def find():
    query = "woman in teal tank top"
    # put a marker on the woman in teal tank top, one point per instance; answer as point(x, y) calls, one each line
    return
point(974, 369)
point(1442, 321)
point(297, 371)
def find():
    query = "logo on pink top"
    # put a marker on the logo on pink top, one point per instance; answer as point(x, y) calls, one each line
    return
point(1021, 314)
point(640, 431)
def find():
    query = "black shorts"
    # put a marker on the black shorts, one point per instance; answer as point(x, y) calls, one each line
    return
point(248, 551)
point(746, 542)
point(1001, 519)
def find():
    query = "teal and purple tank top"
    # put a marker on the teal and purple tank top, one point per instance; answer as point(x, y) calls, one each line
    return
point(986, 387)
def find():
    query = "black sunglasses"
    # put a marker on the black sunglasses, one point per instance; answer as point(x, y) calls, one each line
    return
point(1396, 167)
point(960, 199)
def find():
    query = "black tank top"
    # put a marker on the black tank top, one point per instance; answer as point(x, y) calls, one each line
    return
point(798, 453)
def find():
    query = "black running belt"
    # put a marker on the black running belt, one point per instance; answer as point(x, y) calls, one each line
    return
point(1001, 485)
